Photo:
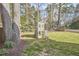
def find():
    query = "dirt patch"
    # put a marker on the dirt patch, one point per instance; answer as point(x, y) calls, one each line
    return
point(16, 51)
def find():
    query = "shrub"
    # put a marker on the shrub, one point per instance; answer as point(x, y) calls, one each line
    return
point(8, 44)
point(74, 25)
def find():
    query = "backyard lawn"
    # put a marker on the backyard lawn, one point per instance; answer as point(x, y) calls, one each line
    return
point(58, 43)
point(64, 37)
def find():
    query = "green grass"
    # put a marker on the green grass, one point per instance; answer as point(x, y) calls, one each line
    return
point(58, 44)
point(3, 52)
point(64, 37)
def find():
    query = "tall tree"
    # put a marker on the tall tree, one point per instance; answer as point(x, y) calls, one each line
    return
point(6, 20)
point(16, 23)
point(38, 18)
point(59, 13)
point(49, 10)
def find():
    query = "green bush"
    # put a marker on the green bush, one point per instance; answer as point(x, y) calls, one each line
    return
point(8, 44)
point(74, 25)
point(26, 27)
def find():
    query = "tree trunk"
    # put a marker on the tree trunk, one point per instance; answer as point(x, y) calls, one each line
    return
point(6, 20)
point(27, 14)
point(52, 7)
point(36, 23)
point(59, 12)
point(16, 23)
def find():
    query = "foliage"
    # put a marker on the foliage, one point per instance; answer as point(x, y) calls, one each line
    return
point(31, 11)
point(74, 25)
point(8, 44)
point(24, 26)
point(29, 20)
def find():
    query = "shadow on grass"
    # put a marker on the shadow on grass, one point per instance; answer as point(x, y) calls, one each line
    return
point(50, 47)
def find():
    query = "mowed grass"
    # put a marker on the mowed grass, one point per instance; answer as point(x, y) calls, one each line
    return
point(64, 37)
point(58, 44)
